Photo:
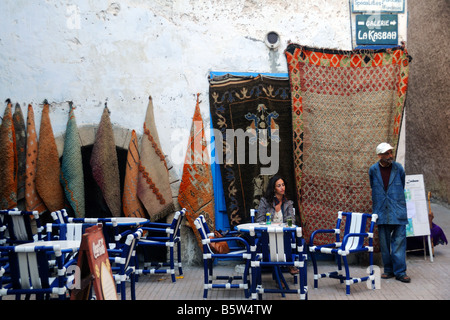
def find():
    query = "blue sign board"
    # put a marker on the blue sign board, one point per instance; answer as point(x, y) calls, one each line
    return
point(376, 29)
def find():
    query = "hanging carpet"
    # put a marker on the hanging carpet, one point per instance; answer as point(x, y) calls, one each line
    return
point(105, 166)
point(21, 145)
point(344, 103)
point(48, 167)
point(33, 201)
point(153, 181)
point(257, 111)
point(8, 161)
point(72, 176)
point(196, 192)
point(132, 206)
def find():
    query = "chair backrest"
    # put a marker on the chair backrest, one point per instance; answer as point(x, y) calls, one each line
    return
point(31, 268)
point(356, 223)
point(202, 228)
point(67, 231)
point(110, 228)
point(130, 245)
point(176, 223)
point(18, 226)
point(3, 229)
point(278, 243)
point(60, 216)
point(252, 215)
point(72, 231)
point(127, 250)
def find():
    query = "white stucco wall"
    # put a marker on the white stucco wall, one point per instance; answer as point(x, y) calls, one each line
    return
point(120, 52)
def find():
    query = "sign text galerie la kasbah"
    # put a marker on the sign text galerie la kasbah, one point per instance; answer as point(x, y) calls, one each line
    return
point(376, 29)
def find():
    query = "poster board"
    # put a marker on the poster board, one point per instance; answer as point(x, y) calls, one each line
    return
point(95, 268)
point(416, 204)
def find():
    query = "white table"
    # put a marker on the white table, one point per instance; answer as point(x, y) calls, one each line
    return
point(274, 227)
point(128, 221)
point(63, 244)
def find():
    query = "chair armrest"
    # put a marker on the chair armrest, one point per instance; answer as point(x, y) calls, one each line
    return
point(156, 224)
point(158, 230)
point(320, 231)
point(144, 239)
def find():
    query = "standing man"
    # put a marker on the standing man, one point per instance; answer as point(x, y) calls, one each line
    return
point(387, 180)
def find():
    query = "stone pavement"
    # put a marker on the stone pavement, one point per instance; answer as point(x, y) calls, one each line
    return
point(430, 280)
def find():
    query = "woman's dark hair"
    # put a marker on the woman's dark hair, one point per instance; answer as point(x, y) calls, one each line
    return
point(270, 191)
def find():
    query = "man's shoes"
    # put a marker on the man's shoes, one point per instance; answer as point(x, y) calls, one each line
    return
point(387, 275)
point(403, 278)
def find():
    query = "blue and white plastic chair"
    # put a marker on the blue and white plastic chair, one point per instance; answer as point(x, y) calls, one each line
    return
point(35, 270)
point(16, 227)
point(357, 237)
point(278, 247)
point(212, 281)
point(169, 237)
point(123, 262)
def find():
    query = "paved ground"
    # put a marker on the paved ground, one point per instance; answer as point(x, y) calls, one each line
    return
point(430, 280)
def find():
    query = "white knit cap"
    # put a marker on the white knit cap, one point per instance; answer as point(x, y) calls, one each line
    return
point(384, 147)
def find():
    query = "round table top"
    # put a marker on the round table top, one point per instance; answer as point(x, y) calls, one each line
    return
point(129, 220)
point(246, 227)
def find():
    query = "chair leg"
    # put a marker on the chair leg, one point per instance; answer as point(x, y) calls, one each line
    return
point(254, 282)
point(278, 275)
point(245, 279)
point(133, 287)
point(339, 265)
point(347, 275)
point(206, 272)
point(172, 266)
point(316, 273)
point(180, 270)
point(303, 281)
point(123, 291)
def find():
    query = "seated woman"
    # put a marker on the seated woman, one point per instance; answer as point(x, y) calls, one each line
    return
point(275, 202)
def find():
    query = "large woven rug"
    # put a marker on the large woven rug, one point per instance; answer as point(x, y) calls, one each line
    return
point(72, 176)
point(8, 161)
point(105, 165)
point(48, 167)
point(196, 192)
point(132, 206)
point(344, 104)
point(153, 180)
point(32, 199)
point(258, 108)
